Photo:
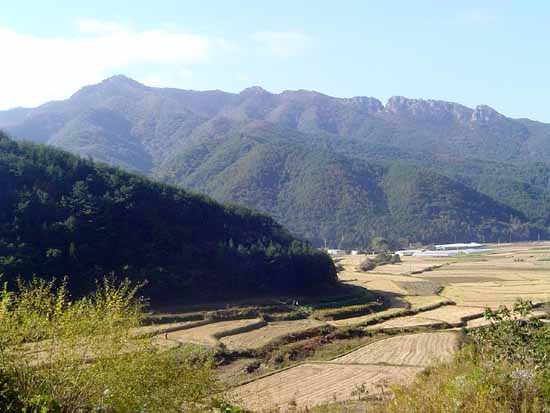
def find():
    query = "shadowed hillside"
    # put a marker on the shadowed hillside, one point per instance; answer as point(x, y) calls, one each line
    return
point(63, 215)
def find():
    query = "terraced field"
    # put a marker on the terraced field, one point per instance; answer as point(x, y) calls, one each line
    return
point(418, 293)
point(258, 338)
point(447, 315)
point(494, 294)
point(453, 314)
point(422, 302)
point(209, 334)
point(354, 321)
point(313, 384)
point(421, 349)
point(161, 328)
point(398, 307)
point(371, 368)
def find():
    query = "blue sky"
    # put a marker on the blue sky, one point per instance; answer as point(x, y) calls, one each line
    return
point(471, 52)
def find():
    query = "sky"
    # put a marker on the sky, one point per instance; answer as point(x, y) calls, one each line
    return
point(471, 52)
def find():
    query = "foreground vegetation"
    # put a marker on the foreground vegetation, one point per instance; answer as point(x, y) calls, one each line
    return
point(503, 368)
point(59, 354)
point(64, 215)
point(64, 355)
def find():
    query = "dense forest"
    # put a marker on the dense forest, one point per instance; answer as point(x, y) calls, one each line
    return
point(62, 215)
point(348, 201)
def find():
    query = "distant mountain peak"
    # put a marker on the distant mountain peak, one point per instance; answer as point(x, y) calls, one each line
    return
point(120, 83)
point(486, 114)
point(112, 86)
point(368, 103)
point(428, 109)
point(255, 90)
point(122, 80)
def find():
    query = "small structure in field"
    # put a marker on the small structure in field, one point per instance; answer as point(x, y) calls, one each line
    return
point(446, 250)
point(458, 246)
point(335, 251)
point(406, 253)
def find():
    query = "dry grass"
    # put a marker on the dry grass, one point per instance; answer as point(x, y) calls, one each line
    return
point(417, 287)
point(472, 282)
point(407, 323)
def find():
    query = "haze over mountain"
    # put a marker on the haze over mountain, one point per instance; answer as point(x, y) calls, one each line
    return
point(341, 170)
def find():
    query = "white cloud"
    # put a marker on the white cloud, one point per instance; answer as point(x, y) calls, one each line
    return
point(37, 69)
point(283, 44)
point(99, 26)
point(478, 16)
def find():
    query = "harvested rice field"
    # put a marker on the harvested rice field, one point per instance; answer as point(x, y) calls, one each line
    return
point(210, 333)
point(407, 323)
point(353, 321)
point(161, 328)
point(313, 384)
point(425, 301)
point(453, 314)
point(446, 315)
point(494, 294)
point(258, 338)
point(420, 293)
point(421, 349)
point(417, 303)
point(373, 368)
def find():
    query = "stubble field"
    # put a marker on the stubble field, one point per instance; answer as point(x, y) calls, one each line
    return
point(421, 293)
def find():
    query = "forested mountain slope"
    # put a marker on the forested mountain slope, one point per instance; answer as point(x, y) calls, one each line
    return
point(63, 215)
point(325, 196)
point(232, 146)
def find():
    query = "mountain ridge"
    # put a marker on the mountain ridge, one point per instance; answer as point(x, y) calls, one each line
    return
point(177, 135)
point(115, 82)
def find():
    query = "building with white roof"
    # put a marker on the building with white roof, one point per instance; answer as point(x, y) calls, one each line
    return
point(458, 246)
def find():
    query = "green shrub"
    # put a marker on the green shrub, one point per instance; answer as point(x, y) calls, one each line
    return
point(515, 338)
point(503, 368)
point(63, 355)
point(367, 265)
point(380, 259)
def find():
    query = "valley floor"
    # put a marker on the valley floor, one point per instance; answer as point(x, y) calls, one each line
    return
point(299, 353)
